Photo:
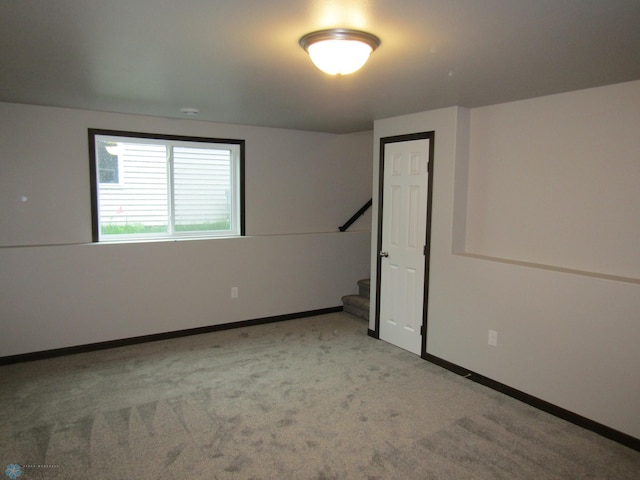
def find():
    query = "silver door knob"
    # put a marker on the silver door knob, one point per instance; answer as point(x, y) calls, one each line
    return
point(384, 254)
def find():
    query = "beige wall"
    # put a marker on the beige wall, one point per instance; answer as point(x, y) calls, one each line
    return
point(570, 167)
point(564, 293)
point(59, 290)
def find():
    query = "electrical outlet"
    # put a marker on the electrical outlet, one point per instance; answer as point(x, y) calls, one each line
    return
point(234, 292)
point(493, 338)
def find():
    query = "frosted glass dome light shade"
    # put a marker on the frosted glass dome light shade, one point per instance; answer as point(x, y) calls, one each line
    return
point(339, 51)
point(339, 57)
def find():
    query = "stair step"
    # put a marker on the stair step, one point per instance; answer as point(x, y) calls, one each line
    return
point(356, 305)
point(364, 287)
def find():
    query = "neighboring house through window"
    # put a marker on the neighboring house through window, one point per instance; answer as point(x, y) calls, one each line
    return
point(148, 186)
point(108, 168)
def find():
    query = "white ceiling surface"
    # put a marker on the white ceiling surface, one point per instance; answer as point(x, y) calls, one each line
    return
point(238, 61)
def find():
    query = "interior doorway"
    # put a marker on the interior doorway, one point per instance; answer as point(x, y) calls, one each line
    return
point(404, 224)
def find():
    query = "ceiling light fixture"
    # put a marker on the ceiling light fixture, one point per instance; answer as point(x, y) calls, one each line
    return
point(339, 51)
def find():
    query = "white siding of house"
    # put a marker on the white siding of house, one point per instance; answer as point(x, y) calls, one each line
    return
point(141, 196)
point(202, 183)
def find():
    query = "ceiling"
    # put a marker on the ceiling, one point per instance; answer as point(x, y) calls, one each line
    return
point(238, 61)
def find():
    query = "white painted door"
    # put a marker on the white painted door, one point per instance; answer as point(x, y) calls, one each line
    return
point(404, 226)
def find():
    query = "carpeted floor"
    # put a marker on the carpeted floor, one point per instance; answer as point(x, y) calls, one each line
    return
point(312, 398)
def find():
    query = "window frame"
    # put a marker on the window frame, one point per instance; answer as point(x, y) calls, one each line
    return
point(95, 184)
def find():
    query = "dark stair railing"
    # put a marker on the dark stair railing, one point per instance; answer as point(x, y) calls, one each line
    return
point(356, 215)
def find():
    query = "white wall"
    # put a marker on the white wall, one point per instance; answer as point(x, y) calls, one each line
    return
point(564, 293)
point(58, 290)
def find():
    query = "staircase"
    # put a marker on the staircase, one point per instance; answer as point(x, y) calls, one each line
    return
point(358, 305)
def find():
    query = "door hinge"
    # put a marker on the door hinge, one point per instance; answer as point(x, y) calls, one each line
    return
point(424, 250)
point(422, 330)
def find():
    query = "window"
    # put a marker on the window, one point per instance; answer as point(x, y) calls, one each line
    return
point(108, 166)
point(147, 186)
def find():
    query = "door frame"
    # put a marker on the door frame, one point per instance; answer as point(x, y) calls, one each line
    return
point(383, 142)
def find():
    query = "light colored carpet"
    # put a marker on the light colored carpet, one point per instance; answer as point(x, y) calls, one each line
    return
point(312, 398)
